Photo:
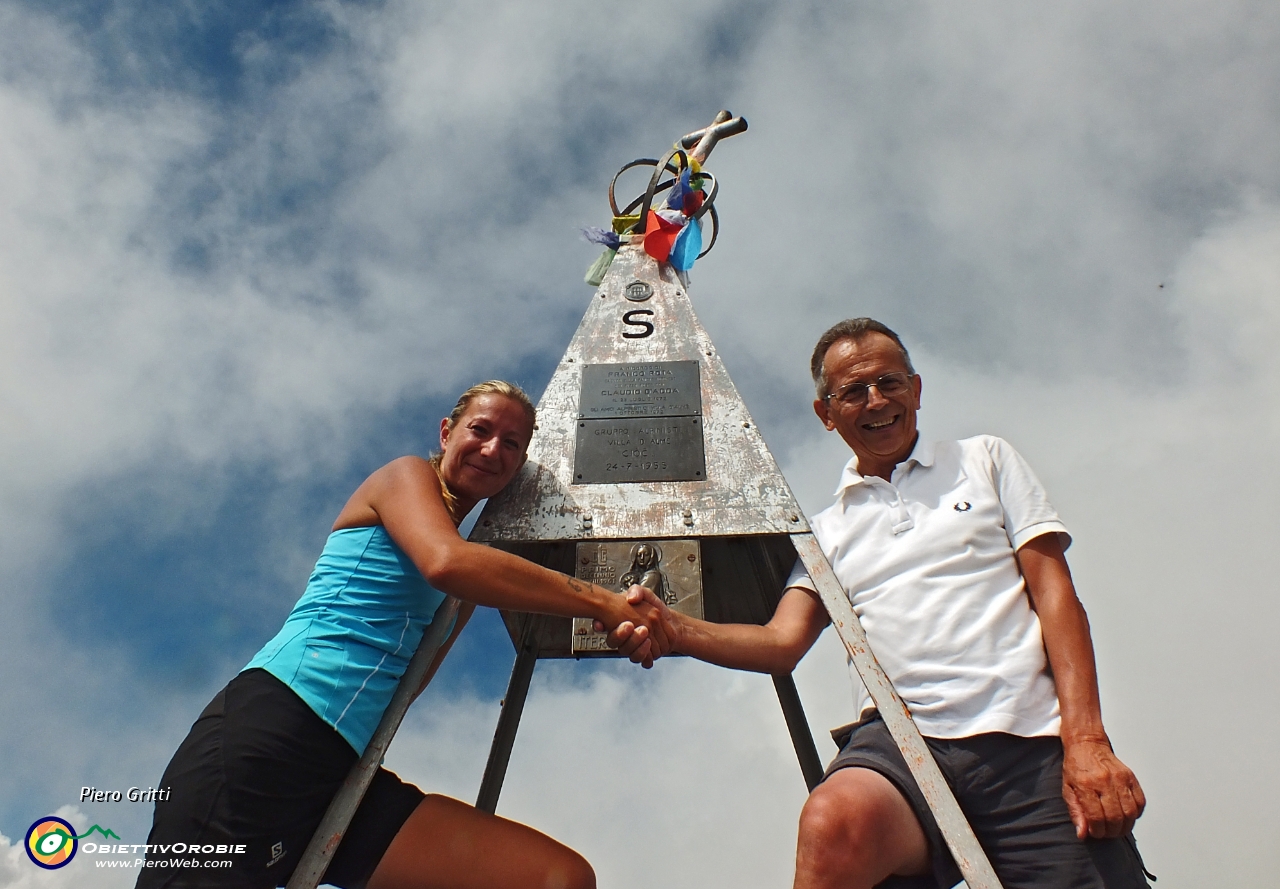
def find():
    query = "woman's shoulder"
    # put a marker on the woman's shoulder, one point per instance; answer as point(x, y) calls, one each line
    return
point(408, 470)
point(410, 463)
point(388, 482)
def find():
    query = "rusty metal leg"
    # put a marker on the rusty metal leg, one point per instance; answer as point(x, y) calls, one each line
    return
point(798, 726)
point(337, 818)
point(504, 737)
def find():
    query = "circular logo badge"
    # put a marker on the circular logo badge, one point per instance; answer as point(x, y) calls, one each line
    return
point(51, 842)
point(638, 291)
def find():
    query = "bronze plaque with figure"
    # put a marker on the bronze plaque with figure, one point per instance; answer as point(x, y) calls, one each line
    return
point(671, 568)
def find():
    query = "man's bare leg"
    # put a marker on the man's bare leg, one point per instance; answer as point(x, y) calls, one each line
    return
point(855, 830)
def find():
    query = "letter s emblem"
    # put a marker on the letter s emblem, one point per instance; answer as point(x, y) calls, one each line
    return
point(632, 319)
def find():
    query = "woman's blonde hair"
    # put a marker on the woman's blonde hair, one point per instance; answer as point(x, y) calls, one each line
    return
point(488, 387)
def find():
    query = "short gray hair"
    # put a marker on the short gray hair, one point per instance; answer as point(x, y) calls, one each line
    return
point(849, 329)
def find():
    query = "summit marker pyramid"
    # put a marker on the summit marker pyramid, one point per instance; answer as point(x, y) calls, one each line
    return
point(643, 436)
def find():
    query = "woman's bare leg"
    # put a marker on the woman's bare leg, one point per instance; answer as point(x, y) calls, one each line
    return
point(447, 844)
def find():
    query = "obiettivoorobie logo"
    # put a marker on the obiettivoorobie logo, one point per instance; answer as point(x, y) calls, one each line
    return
point(51, 842)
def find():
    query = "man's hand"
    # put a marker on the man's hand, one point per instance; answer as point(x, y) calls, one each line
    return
point(643, 642)
point(1102, 794)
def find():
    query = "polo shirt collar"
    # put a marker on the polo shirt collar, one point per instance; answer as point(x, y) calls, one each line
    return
point(923, 454)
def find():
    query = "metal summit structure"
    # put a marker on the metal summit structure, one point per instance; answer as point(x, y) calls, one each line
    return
point(646, 467)
point(645, 460)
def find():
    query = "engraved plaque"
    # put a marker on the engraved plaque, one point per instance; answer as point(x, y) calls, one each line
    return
point(645, 449)
point(671, 568)
point(656, 389)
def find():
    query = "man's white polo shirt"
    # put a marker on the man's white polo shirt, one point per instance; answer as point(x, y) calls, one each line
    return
point(928, 563)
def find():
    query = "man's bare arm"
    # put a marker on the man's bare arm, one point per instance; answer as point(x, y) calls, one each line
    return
point(1101, 792)
point(774, 648)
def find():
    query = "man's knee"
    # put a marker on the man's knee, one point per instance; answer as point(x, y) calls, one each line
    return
point(825, 815)
point(857, 820)
point(835, 821)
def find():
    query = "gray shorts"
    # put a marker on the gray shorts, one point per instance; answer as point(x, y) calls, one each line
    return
point(1010, 789)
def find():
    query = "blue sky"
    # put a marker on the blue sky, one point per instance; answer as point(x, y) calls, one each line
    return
point(249, 252)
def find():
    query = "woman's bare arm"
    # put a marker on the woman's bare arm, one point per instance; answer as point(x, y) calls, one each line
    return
point(405, 498)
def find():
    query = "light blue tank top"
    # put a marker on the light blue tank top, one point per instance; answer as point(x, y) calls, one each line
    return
point(347, 642)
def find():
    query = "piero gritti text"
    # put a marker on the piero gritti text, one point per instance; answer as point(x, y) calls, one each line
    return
point(132, 795)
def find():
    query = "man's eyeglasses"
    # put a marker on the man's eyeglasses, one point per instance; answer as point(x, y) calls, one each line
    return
point(855, 394)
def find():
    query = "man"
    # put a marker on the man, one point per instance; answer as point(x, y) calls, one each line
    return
point(953, 558)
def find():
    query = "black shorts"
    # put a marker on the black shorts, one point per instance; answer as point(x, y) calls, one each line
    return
point(1010, 789)
point(257, 770)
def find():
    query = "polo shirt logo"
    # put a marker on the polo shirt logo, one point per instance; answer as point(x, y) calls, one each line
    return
point(963, 506)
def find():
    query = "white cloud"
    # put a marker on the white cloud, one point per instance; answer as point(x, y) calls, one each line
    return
point(687, 767)
point(186, 281)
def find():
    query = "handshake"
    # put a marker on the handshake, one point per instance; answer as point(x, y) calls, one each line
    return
point(644, 628)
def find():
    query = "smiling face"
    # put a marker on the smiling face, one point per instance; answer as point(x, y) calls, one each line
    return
point(881, 432)
point(485, 448)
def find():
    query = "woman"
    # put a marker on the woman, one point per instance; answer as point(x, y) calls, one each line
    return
point(263, 760)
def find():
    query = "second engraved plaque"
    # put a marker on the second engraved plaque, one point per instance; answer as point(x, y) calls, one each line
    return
point(639, 422)
point(671, 568)
point(647, 449)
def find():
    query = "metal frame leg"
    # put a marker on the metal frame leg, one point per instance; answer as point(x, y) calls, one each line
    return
point(504, 736)
point(342, 808)
point(798, 726)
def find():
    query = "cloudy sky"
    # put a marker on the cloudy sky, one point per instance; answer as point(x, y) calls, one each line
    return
point(250, 251)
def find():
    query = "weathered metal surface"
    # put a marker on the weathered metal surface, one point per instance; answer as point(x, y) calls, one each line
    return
point(640, 449)
point(671, 568)
point(744, 492)
point(641, 371)
point(969, 857)
point(704, 140)
point(337, 818)
point(655, 389)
